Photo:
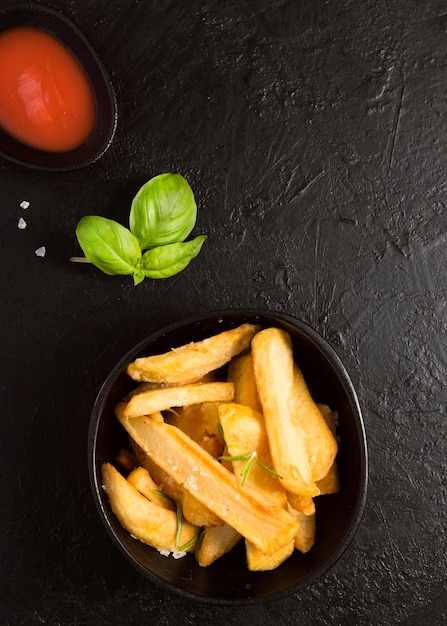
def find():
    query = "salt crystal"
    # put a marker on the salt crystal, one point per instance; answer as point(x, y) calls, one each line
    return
point(178, 555)
point(164, 552)
point(24, 204)
point(193, 483)
point(41, 251)
point(21, 224)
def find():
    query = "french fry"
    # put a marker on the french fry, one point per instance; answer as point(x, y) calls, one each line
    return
point(305, 537)
point(216, 542)
point(145, 520)
point(142, 481)
point(200, 422)
point(267, 526)
point(244, 433)
point(274, 372)
point(241, 374)
point(190, 362)
point(156, 400)
point(303, 504)
point(331, 482)
point(320, 442)
point(259, 561)
point(126, 460)
point(197, 512)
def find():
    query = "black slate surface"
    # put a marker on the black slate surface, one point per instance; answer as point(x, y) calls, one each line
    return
point(314, 136)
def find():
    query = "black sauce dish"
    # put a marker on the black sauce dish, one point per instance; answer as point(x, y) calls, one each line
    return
point(63, 29)
point(227, 580)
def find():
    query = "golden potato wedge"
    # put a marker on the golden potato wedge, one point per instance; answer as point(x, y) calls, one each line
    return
point(331, 482)
point(126, 460)
point(216, 541)
point(242, 375)
point(244, 433)
point(328, 416)
point(190, 362)
point(305, 537)
point(156, 400)
point(274, 373)
point(303, 504)
point(200, 422)
point(320, 442)
point(197, 512)
point(143, 519)
point(265, 525)
point(142, 481)
point(259, 561)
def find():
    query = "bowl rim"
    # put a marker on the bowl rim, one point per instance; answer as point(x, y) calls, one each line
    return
point(357, 512)
point(50, 19)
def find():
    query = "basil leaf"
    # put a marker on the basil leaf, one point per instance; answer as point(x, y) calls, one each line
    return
point(165, 261)
point(163, 211)
point(108, 245)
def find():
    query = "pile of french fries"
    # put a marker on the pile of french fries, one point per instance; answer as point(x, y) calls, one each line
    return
point(213, 462)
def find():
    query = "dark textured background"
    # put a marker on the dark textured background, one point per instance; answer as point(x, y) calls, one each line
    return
point(313, 133)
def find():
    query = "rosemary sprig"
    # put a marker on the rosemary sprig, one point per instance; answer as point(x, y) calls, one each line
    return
point(191, 542)
point(179, 525)
point(250, 457)
point(178, 508)
point(221, 432)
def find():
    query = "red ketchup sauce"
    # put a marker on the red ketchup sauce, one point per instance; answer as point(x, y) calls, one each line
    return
point(46, 99)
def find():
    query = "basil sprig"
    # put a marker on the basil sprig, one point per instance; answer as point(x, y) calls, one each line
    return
point(162, 215)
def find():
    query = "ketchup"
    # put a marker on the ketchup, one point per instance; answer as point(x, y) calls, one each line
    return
point(46, 99)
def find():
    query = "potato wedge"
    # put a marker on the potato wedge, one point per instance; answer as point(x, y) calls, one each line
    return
point(142, 481)
point(274, 373)
point(190, 362)
point(145, 520)
point(156, 400)
point(303, 504)
point(267, 526)
point(320, 442)
point(242, 375)
point(126, 460)
point(200, 422)
point(259, 561)
point(216, 542)
point(331, 482)
point(305, 537)
point(244, 432)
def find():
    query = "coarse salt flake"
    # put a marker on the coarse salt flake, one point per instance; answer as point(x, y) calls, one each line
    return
point(179, 555)
point(21, 224)
point(24, 204)
point(193, 483)
point(41, 251)
point(165, 552)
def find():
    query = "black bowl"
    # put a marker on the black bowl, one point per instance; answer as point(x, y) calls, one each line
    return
point(228, 580)
point(68, 33)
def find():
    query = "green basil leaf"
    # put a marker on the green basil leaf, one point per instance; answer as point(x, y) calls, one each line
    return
point(163, 211)
point(165, 261)
point(108, 245)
